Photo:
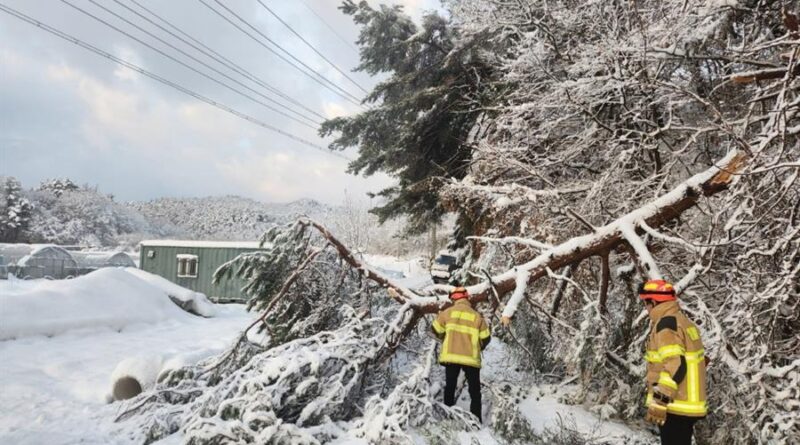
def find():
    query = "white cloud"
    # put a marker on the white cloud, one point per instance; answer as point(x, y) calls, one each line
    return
point(336, 109)
point(123, 72)
point(82, 116)
point(11, 62)
point(287, 176)
point(187, 137)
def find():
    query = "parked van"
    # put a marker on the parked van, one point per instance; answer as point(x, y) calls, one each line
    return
point(443, 267)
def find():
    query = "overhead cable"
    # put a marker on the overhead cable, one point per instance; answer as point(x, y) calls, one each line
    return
point(214, 55)
point(331, 28)
point(318, 78)
point(336, 67)
point(156, 77)
point(207, 76)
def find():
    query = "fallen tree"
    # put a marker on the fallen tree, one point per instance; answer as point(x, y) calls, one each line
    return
point(607, 107)
point(325, 362)
point(569, 203)
point(625, 229)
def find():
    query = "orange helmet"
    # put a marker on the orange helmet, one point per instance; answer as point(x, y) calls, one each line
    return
point(458, 293)
point(657, 290)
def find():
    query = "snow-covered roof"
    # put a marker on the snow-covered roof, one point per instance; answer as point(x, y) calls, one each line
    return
point(201, 244)
point(46, 251)
point(100, 259)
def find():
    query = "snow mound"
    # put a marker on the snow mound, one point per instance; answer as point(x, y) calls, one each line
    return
point(191, 301)
point(110, 297)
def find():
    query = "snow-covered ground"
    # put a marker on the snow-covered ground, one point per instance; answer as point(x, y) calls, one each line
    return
point(53, 390)
point(412, 273)
point(544, 405)
point(64, 339)
point(111, 297)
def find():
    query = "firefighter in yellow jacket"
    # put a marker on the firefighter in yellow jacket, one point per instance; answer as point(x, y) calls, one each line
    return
point(464, 334)
point(676, 366)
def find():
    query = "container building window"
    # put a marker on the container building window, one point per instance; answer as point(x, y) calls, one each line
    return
point(187, 265)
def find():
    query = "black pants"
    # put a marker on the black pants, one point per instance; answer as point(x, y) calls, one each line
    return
point(473, 381)
point(677, 430)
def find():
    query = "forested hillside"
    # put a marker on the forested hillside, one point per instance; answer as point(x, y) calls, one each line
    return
point(62, 212)
point(224, 217)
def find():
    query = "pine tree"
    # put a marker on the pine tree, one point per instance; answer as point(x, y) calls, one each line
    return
point(418, 125)
point(58, 186)
point(15, 211)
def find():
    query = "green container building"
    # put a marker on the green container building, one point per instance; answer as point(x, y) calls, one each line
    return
point(192, 264)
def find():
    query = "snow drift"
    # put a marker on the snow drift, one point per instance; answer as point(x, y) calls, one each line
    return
point(111, 297)
point(191, 301)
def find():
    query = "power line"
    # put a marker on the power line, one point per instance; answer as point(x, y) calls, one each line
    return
point(196, 60)
point(130, 36)
point(333, 30)
point(156, 77)
point(288, 53)
point(321, 80)
point(210, 53)
point(311, 46)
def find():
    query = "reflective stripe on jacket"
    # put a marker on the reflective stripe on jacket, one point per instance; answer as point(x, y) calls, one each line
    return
point(675, 361)
point(464, 332)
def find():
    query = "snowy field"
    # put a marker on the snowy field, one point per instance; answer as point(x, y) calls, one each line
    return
point(55, 375)
point(61, 341)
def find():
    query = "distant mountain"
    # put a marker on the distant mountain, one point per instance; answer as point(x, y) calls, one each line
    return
point(225, 217)
point(302, 207)
point(62, 212)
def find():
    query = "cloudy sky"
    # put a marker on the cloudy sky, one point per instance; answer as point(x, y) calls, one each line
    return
point(67, 112)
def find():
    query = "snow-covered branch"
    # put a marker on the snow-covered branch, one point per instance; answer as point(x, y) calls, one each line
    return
point(655, 213)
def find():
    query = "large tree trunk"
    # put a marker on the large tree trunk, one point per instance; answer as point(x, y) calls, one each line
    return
point(607, 238)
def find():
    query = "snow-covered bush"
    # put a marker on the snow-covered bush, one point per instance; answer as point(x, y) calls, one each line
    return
point(305, 391)
point(297, 285)
point(507, 420)
point(388, 418)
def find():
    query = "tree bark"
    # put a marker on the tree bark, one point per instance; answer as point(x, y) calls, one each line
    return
point(605, 277)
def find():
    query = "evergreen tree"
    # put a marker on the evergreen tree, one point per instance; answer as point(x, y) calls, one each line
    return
point(58, 186)
point(15, 211)
point(419, 121)
point(309, 303)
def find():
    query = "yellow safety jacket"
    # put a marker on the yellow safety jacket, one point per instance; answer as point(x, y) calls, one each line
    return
point(464, 332)
point(676, 361)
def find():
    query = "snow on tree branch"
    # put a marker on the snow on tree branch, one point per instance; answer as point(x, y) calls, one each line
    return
point(655, 213)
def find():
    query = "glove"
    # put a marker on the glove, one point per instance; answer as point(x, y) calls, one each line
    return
point(657, 410)
point(656, 413)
